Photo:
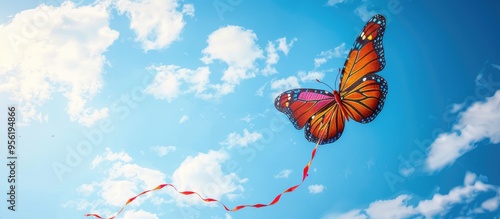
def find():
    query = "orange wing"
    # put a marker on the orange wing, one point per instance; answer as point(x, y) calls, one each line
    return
point(316, 110)
point(366, 56)
point(326, 125)
point(365, 101)
point(362, 91)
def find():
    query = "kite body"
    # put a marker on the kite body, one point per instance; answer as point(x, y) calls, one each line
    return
point(360, 96)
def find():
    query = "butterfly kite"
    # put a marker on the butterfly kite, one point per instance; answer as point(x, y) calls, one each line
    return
point(360, 96)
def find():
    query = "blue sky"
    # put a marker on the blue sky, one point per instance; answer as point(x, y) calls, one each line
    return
point(115, 97)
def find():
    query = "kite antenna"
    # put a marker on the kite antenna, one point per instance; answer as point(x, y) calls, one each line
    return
point(324, 84)
point(337, 77)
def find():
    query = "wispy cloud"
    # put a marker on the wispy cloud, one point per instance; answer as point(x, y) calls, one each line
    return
point(163, 150)
point(316, 188)
point(188, 9)
point(235, 139)
point(478, 122)
point(285, 47)
point(364, 12)
point(157, 23)
point(260, 91)
point(87, 189)
point(110, 156)
point(335, 2)
point(183, 119)
point(310, 75)
point(171, 81)
point(283, 84)
point(326, 55)
point(272, 57)
point(438, 206)
point(283, 174)
point(248, 118)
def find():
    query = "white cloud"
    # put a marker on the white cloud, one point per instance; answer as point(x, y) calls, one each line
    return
point(248, 118)
point(49, 50)
point(235, 139)
point(260, 91)
point(115, 191)
point(437, 207)
point(470, 178)
point(491, 204)
point(203, 174)
point(283, 84)
point(87, 189)
point(364, 13)
point(407, 171)
point(271, 59)
point(334, 2)
point(110, 156)
point(183, 119)
point(233, 45)
point(140, 214)
point(283, 174)
point(324, 56)
point(284, 46)
point(310, 75)
point(157, 23)
point(171, 81)
point(353, 214)
point(316, 188)
point(393, 208)
point(165, 86)
point(236, 47)
point(122, 181)
point(163, 150)
point(272, 53)
point(478, 122)
point(228, 216)
point(127, 180)
point(441, 204)
point(456, 107)
point(188, 9)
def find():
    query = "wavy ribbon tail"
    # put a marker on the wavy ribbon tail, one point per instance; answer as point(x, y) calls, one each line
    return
point(239, 207)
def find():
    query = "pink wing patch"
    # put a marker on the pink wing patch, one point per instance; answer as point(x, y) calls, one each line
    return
point(301, 104)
